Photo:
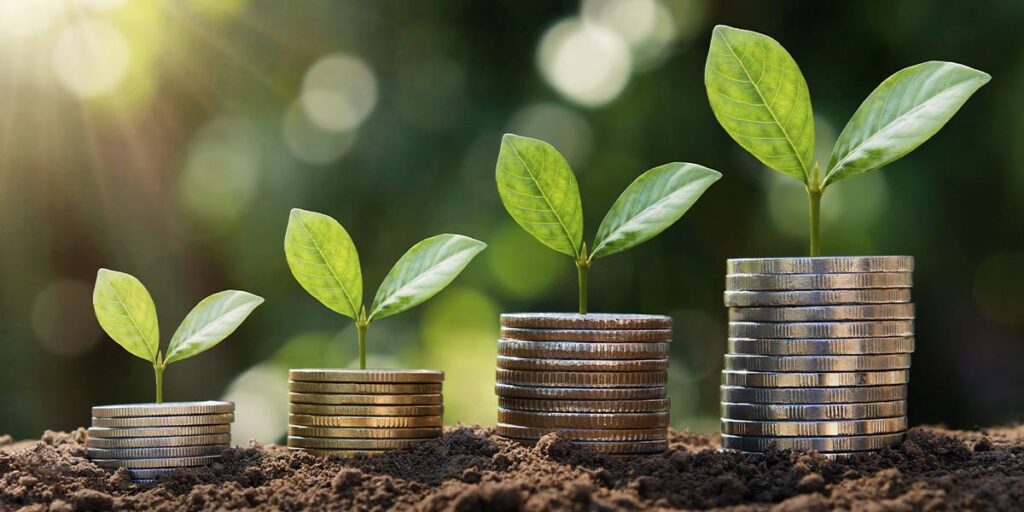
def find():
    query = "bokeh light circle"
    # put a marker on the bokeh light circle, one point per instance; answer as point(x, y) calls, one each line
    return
point(308, 142)
point(20, 18)
point(585, 62)
point(222, 172)
point(90, 58)
point(339, 92)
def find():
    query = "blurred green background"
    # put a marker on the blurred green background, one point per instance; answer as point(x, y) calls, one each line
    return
point(169, 139)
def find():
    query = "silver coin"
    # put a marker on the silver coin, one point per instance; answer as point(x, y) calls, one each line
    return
point(374, 376)
point(753, 282)
point(581, 350)
point(813, 395)
point(870, 329)
point(820, 265)
point(162, 409)
point(588, 335)
point(155, 453)
point(135, 432)
point(578, 393)
point(620, 435)
point(582, 379)
point(821, 444)
point(157, 442)
point(852, 312)
point(736, 299)
point(583, 420)
point(582, 365)
point(813, 428)
point(587, 321)
point(854, 363)
point(814, 379)
point(162, 463)
point(165, 421)
point(821, 347)
point(803, 412)
point(605, 406)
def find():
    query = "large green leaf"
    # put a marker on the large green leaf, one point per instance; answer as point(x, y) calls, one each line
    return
point(212, 320)
point(903, 112)
point(760, 97)
point(324, 261)
point(652, 203)
point(127, 313)
point(422, 272)
point(539, 190)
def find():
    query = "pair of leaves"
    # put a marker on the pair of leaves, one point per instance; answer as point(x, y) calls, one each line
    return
point(759, 96)
point(324, 261)
point(127, 314)
point(539, 190)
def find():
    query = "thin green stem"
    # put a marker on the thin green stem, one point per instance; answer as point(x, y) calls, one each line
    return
point(361, 325)
point(814, 197)
point(158, 370)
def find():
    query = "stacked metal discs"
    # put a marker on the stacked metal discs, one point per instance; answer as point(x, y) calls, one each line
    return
point(360, 412)
point(598, 379)
point(150, 440)
point(819, 353)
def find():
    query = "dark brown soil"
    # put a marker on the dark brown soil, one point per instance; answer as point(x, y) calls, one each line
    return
point(470, 469)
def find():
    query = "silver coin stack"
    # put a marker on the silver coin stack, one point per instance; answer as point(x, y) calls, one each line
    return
point(598, 379)
point(819, 353)
point(150, 440)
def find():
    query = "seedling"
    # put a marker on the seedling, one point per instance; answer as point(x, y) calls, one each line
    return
point(761, 99)
point(324, 261)
point(539, 190)
point(127, 314)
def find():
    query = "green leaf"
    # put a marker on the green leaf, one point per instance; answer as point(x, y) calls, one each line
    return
point(324, 261)
point(212, 320)
point(652, 203)
point(539, 191)
point(903, 112)
point(127, 314)
point(760, 97)
point(422, 272)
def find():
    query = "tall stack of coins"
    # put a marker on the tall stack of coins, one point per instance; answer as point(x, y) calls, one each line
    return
point(361, 412)
point(150, 440)
point(598, 379)
point(819, 353)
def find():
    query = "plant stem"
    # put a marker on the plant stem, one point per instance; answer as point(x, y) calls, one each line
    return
point(361, 324)
point(814, 197)
point(582, 267)
point(158, 369)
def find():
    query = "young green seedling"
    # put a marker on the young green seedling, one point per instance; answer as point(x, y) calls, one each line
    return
point(127, 314)
point(761, 99)
point(539, 190)
point(324, 261)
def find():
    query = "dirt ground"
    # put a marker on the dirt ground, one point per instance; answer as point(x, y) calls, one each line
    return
point(471, 469)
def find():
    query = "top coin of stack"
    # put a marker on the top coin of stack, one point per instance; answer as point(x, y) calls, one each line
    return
point(154, 439)
point(361, 412)
point(599, 379)
point(819, 353)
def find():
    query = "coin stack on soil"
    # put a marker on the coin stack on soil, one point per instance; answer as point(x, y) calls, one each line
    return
point(819, 353)
point(362, 412)
point(598, 379)
point(150, 440)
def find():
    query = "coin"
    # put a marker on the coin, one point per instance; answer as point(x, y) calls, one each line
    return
point(367, 410)
point(815, 379)
point(814, 428)
point(163, 463)
point(582, 379)
point(821, 444)
point(618, 447)
point(812, 347)
point(344, 454)
point(622, 435)
point(813, 395)
point(154, 453)
point(820, 265)
point(824, 313)
point(587, 321)
point(582, 365)
point(580, 350)
point(366, 376)
point(573, 393)
point(817, 363)
point(364, 389)
point(364, 433)
point(165, 421)
point(588, 335)
point(118, 432)
point(752, 282)
point(350, 399)
point(352, 444)
point(158, 442)
point(870, 329)
point(803, 412)
point(817, 297)
point(365, 421)
point(610, 406)
point(162, 409)
point(583, 420)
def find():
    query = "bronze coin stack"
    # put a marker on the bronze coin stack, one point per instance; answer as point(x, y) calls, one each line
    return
point(597, 379)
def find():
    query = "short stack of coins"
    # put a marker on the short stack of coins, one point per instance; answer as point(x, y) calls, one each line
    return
point(150, 440)
point(597, 379)
point(346, 413)
point(819, 353)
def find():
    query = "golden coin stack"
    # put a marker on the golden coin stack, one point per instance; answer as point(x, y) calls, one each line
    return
point(819, 353)
point(361, 412)
point(150, 440)
point(598, 379)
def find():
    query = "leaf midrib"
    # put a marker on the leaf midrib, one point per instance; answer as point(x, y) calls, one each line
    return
point(421, 275)
point(544, 196)
point(135, 325)
point(204, 328)
point(657, 203)
point(355, 310)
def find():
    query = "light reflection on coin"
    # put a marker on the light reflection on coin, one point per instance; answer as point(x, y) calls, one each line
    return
point(587, 321)
point(582, 379)
point(821, 347)
point(582, 350)
point(817, 297)
point(576, 393)
point(820, 265)
point(813, 395)
point(814, 379)
point(808, 412)
point(854, 312)
point(813, 428)
point(582, 365)
point(817, 363)
point(870, 329)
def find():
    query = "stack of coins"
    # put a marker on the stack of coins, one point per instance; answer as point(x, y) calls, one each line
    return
point(598, 379)
point(363, 412)
point(150, 440)
point(819, 353)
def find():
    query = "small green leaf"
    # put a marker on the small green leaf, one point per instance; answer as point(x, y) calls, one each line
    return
point(212, 320)
point(539, 190)
point(422, 272)
point(652, 203)
point(127, 313)
point(900, 115)
point(324, 261)
point(760, 97)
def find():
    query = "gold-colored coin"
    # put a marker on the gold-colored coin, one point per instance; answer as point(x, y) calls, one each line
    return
point(582, 379)
point(579, 393)
point(606, 406)
point(169, 462)
point(583, 365)
point(364, 433)
point(588, 335)
point(363, 389)
point(351, 399)
point(621, 435)
point(374, 376)
point(155, 453)
point(158, 442)
point(365, 421)
point(583, 420)
point(120, 432)
point(320, 443)
point(586, 321)
point(813, 428)
point(581, 350)
point(163, 409)
point(165, 421)
point(367, 410)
